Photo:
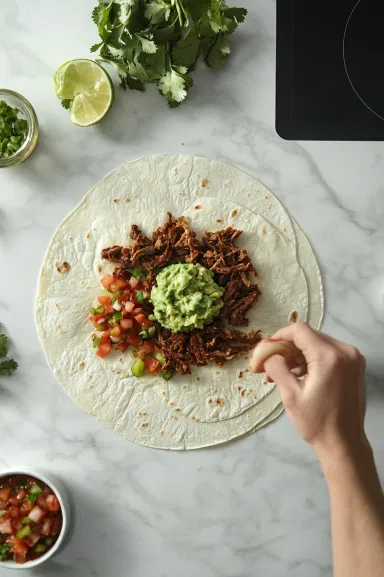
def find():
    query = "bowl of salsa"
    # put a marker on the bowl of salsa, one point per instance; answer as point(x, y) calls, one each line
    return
point(34, 517)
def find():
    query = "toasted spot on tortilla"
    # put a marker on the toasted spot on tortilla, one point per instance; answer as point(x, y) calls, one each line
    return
point(171, 404)
point(164, 394)
point(60, 329)
point(121, 360)
point(243, 392)
point(285, 230)
point(89, 377)
point(161, 433)
point(63, 267)
point(185, 387)
point(58, 307)
point(82, 366)
point(126, 200)
point(241, 375)
point(116, 200)
point(144, 426)
point(270, 206)
point(246, 371)
point(70, 238)
point(88, 235)
point(264, 231)
point(143, 414)
point(234, 213)
point(239, 388)
point(266, 197)
point(91, 386)
point(220, 401)
point(197, 378)
point(209, 401)
point(204, 183)
point(176, 170)
point(217, 372)
point(219, 220)
point(193, 418)
point(293, 317)
point(198, 206)
point(175, 418)
point(99, 268)
point(178, 410)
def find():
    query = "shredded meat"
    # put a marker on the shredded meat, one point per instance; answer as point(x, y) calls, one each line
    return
point(199, 347)
point(176, 242)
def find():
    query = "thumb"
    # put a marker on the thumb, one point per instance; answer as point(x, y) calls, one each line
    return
point(278, 370)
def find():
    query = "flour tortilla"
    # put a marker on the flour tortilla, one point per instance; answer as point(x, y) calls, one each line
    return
point(133, 410)
point(211, 393)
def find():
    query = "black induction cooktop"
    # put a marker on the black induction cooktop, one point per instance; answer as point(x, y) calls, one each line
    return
point(330, 70)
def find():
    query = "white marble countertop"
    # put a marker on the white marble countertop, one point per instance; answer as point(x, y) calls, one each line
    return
point(258, 506)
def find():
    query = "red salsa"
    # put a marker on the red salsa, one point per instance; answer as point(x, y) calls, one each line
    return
point(30, 518)
point(123, 319)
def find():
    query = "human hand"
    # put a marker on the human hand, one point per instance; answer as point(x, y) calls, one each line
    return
point(327, 408)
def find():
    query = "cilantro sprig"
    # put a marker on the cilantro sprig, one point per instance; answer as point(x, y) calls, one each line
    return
point(161, 41)
point(7, 366)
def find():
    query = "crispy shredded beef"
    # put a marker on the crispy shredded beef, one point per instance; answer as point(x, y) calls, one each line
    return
point(175, 242)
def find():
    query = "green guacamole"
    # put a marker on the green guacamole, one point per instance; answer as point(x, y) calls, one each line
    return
point(186, 297)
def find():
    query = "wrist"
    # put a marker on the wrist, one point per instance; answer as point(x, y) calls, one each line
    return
point(344, 456)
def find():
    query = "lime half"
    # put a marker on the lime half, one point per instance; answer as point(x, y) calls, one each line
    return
point(86, 89)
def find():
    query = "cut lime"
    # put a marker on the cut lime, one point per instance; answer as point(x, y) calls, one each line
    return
point(86, 89)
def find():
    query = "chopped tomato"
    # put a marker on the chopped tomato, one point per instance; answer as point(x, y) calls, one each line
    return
point(152, 365)
point(146, 324)
point(5, 494)
point(26, 507)
point(126, 324)
point(137, 311)
point(104, 350)
point(21, 494)
point(33, 538)
point(116, 331)
point(107, 304)
point(53, 503)
point(13, 501)
point(105, 338)
point(140, 318)
point(145, 349)
point(119, 286)
point(36, 514)
point(13, 512)
point(107, 281)
point(133, 340)
point(122, 346)
point(124, 296)
point(41, 501)
point(18, 547)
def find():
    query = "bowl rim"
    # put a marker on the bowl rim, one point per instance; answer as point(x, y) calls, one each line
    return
point(65, 516)
point(33, 129)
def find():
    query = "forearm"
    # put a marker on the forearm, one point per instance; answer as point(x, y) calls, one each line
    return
point(357, 511)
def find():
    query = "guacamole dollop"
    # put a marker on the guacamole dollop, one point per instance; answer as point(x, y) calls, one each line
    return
point(186, 297)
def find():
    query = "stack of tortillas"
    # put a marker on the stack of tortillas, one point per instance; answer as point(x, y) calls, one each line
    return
point(213, 405)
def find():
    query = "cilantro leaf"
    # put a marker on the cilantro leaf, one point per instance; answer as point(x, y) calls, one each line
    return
point(133, 83)
point(148, 46)
point(237, 14)
point(157, 12)
point(197, 8)
point(219, 53)
point(3, 345)
point(7, 367)
point(186, 51)
point(95, 47)
point(175, 85)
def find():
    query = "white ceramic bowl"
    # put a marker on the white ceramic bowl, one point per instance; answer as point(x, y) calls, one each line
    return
point(61, 494)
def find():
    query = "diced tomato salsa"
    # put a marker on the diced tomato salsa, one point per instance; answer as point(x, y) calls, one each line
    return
point(30, 518)
point(121, 320)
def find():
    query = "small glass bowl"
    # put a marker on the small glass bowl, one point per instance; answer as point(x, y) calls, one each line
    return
point(27, 111)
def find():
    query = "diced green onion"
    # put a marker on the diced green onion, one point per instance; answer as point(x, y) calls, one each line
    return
point(148, 333)
point(106, 293)
point(140, 297)
point(151, 331)
point(25, 521)
point(32, 498)
point(144, 334)
point(116, 317)
point(152, 318)
point(40, 548)
point(159, 357)
point(1, 513)
point(96, 342)
point(114, 298)
point(23, 532)
point(138, 368)
point(36, 490)
point(166, 375)
point(98, 310)
point(49, 540)
point(136, 272)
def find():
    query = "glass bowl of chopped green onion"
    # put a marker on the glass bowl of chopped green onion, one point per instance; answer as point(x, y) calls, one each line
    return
point(19, 128)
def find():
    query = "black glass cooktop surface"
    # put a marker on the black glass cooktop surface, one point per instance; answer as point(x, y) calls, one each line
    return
point(330, 70)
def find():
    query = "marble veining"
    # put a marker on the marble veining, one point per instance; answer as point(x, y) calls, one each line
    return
point(258, 506)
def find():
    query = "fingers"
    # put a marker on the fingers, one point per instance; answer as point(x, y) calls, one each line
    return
point(267, 348)
point(278, 370)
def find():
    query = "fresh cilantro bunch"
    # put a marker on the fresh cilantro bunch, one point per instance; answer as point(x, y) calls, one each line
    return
point(7, 366)
point(162, 40)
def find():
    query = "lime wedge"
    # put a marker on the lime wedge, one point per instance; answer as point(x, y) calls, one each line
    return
point(86, 89)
